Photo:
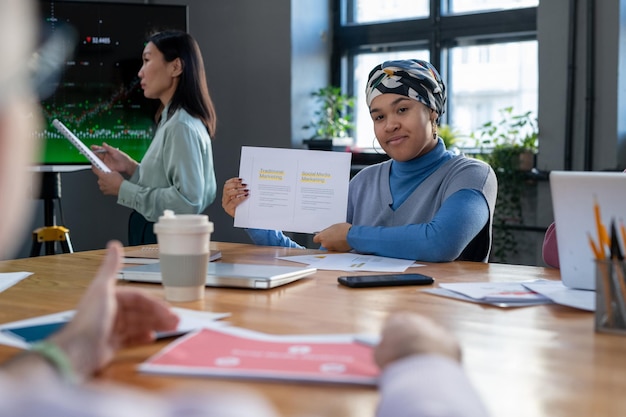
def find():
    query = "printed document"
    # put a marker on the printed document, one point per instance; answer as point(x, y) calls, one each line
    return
point(352, 262)
point(233, 352)
point(293, 190)
point(560, 294)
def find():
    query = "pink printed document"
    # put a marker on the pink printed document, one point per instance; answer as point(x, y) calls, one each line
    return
point(239, 353)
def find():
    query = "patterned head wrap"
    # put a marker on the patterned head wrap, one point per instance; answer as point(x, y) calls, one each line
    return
point(413, 78)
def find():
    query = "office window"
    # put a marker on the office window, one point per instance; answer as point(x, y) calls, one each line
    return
point(484, 79)
point(385, 10)
point(485, 50)
point(473, 6)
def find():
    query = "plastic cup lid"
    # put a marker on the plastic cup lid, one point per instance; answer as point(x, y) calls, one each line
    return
point(169, 222)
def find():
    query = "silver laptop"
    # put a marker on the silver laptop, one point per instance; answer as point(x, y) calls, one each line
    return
point(221, 274)
point(573, 197)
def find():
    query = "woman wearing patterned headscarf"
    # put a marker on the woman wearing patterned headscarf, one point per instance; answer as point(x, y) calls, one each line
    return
point(425, 203)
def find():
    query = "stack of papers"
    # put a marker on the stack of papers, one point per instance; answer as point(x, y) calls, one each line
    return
point(518, 294)
point(560, 294)
point(500, 294)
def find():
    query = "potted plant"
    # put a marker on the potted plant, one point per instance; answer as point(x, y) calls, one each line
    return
point(332, 121)
point(450, 136)
point(512, 141)
point(509, 145)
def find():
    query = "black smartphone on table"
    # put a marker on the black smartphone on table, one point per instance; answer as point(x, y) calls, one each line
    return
point(384, 280)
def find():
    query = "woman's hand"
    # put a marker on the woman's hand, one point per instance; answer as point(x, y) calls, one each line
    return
point(109, 318)
point(235, 192)
point(334, 238)
point(110, 182)
point(115, 159)
point(405, 334)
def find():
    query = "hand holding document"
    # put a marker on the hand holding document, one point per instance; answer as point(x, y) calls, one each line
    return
point(293, 190)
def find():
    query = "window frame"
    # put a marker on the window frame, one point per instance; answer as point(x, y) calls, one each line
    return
point(437, 33)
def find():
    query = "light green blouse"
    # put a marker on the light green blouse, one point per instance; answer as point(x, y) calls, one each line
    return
point(176, 173)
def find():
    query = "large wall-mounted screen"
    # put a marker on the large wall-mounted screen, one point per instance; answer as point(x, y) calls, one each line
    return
point(98, 95)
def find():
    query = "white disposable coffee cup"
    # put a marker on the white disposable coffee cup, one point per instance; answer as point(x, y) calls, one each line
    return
point(183, 254)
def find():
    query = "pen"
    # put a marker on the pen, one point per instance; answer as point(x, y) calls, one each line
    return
point(100, 151)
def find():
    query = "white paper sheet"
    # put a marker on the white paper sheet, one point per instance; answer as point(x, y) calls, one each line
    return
point(560, 294)
point(9, 279)
point(189, 320)
point(503, 304)
point(494, 291)
point(9, 340)
point(293, 190)
point(352, 262)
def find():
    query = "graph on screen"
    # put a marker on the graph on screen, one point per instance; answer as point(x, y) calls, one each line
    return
point(98, 95)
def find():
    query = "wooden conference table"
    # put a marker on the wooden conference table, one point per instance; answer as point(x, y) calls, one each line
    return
point(531, 361)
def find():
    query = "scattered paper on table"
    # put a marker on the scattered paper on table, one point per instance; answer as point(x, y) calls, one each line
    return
point(12, 340)
point(192, 320)
point(494, 291)
point(518, 294)
point(9, 279)
point(189, 320)
point(504, 304)
point(560, 294)
point(352, 262)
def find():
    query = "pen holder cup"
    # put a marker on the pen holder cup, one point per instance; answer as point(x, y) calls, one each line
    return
point(610, 315)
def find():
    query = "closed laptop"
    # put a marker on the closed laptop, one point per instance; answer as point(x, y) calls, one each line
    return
point(220, 274)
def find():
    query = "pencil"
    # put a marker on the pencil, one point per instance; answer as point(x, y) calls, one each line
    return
point(603, 235)
point(596, 252)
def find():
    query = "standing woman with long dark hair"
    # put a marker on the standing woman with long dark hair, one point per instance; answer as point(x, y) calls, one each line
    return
point(176, 173)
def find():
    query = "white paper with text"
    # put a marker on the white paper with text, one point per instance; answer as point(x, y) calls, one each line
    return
point(293, 190)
